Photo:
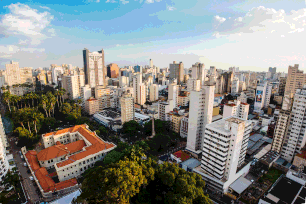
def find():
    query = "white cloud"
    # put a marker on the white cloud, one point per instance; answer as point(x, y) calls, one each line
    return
point(151, 1)
point(25, 22)
point(170, 8)
point(118, 45)
point(45, 7)
point(124, 1)
point(6, 51)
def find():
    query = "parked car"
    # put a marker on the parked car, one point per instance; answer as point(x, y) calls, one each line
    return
point(21, 157)
point(31, 178)
point(25, 164)
point(28, 171)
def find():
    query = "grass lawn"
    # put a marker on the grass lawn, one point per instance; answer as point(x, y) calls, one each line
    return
point(272, 175)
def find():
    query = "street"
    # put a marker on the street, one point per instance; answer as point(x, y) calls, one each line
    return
point(28, 185)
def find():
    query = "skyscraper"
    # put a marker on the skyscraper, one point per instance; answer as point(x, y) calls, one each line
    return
point(177, 72)
point(127, 108)
point(151, 63)
point(200, 114)
point(12, 73)
point(94, 68)
point(198, 72)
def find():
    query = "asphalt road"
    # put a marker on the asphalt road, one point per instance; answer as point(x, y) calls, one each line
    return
point(28, 185)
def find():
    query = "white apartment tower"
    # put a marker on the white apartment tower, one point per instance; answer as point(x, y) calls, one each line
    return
point(127, 108)
point(260, 96)
point(73, 85)
point(289, 136)
point(142, 96)
point(237, 109)
point(200, 114)
point(85, 94)
point(198, 72)
point(224, 150)
point(153, 92)
point(12, 73)
point(235, 86)
point(193, 85)
point(268, 95)
point(3, 158)
point(164, 108)
point(26, 75)
point(94, 68)
point(103, 96)
point(173, 91)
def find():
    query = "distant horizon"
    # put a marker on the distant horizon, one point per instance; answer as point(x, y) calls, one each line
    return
point(252, 35)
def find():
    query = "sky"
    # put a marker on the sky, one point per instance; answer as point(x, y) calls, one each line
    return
point(251, 35)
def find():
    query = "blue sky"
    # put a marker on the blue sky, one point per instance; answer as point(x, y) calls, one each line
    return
point(252, 35)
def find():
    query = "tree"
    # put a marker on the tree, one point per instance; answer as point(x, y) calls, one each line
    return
point(159, 125)
point(11, 179)
point(131, 129)
point(7, 99)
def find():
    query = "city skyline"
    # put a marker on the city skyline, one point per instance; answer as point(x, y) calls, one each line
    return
point(167, 31)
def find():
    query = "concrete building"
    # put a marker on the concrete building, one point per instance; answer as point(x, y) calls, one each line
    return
point(103, 95)
point(224, 150)
point(235, 86)
point(112, 70)
point(200, 114)
point(295, 80)
point(94, 68)
point(260, 96)
point(183, 100)
point(289, 137)
point(73, 84)
point(184, 127)
point(92, 106)
point(173, 91)
point(153, 92)
point(56, 74)
point(138, 68)
point(127, 108)
point(193, 85)
point(26, 75)
point(85, 94)
point(3, 157)
point(177, 72)
point(282, 86)
point(268, 95)
point(142, 94)
point(237, 109)
point(12, 73)
point(164, 108)
point(175, 120)
point(198, 72)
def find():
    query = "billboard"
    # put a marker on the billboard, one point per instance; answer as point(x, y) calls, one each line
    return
point(258, 96)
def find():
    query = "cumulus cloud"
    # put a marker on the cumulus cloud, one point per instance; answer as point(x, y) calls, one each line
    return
point(45, 7)
point(261, 19)
point(151, 1)
point(170, 8)
point(25, 22)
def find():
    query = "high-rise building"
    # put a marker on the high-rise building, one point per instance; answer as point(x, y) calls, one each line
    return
point(142, 94)
point(224, 149)
point(151, 63)
point(198, 72)
point(26, 75)
point(103, 96)
point(268, 95)
point(200, 114)
point(193, 85)
point(228, 78)
point(153, 92)
point(91, 106)
point(12, 73)
point(173, 91)
point(177, 72)
point(237, 109)
point(86, 93)
point(138, 68)
point(260, 96)
point(94, 68)
point(112, 70)
point(282, 86)
point(3, 157)
point(295, 80)
point(272, 71)
point(139, 89)
point(289, 136)
point(235, 86)
point(127, 108)
point(164, 107)
point(73, 84)
point(56, 75)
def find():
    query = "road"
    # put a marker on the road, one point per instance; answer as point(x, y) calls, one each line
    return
point(28, 185)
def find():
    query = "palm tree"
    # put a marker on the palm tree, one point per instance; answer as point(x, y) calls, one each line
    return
point(7, 98)
point(44, 102)
point(36, 116)
point(57, 94)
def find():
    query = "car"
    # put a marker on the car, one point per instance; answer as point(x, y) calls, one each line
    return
point(25, 164)
point(31, 178)
point(252, 181)
point(28, 171)
point(21, 157)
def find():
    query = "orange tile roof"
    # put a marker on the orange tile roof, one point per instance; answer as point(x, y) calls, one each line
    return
point(182, 155)
point(31, 156)
point(245, 103)
point(230, 104)
point(218, 95)
point(97, 146)
point(60, 150)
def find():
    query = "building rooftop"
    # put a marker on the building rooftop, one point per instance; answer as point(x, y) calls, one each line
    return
point(269, 157)
point(284, 191)
point(59, 150)
point(182, 155)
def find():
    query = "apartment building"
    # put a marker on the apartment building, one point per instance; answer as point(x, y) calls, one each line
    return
point(12, 73)
point(94, 68)
point(173, 91)
point(103, 96)
point(236, 108)
point(92, 106)
point(4, 165)
point(289, 136)
point(184, 127)
point(193, 85)
point(198, 72)
point(153, 92)
point(127, 108)
point(183, 100)
point(177, 72)
point(260, 96)
point(26, 75)
point(224, 149)
point(235, 86)
point(175, 120)
point(164, 107)
point(85, 94)
point(72, 84)
point(142, 94)
point(112, 70)
point(200, 114)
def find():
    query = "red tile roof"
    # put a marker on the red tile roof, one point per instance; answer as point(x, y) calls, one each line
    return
point(59, 150)
point(97, 146)
point(44, 178)
point(182, 155)
point(31, 156)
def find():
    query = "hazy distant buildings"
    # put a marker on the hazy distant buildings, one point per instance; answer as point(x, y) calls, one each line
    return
point(153, 92)
point(112, 70)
